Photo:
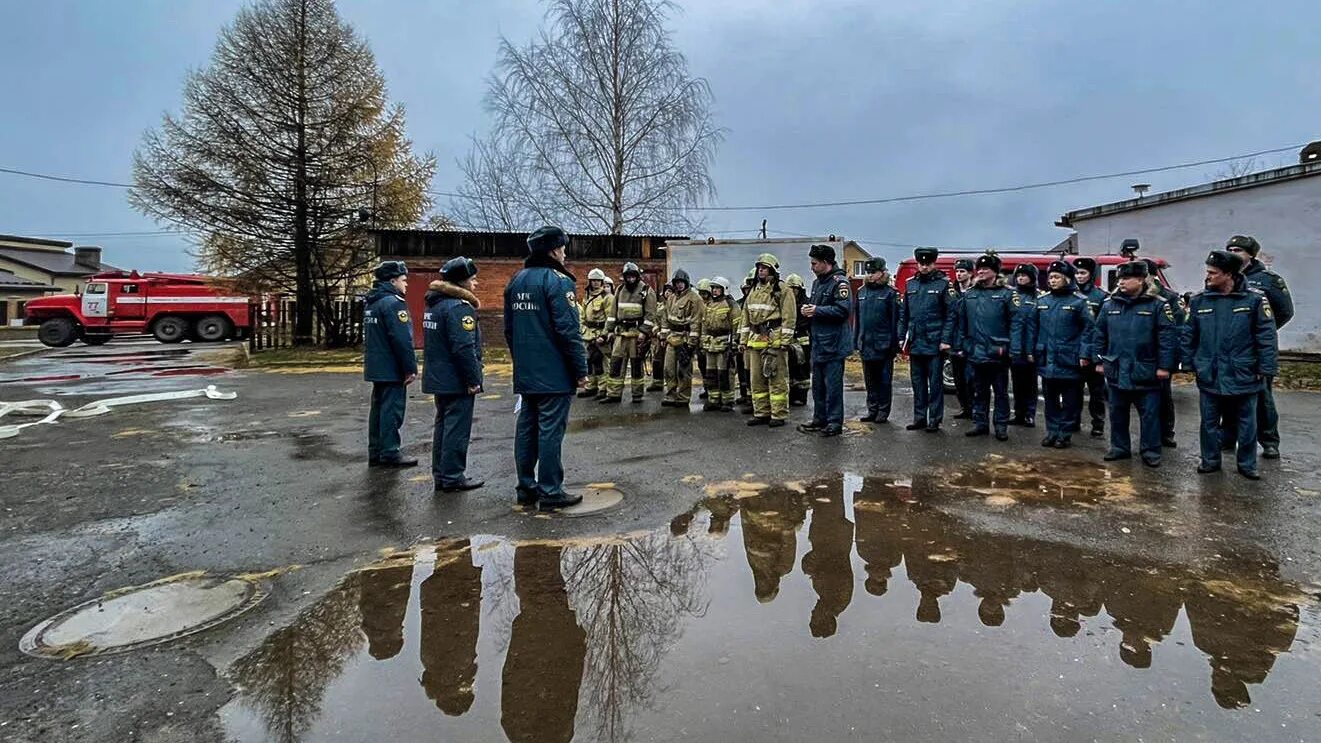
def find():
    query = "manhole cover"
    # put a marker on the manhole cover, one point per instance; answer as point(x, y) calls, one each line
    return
point(596, 498)
point(139, 616)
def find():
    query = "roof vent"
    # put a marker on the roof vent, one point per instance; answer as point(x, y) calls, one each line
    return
point(1310, 154)
point(88, 257)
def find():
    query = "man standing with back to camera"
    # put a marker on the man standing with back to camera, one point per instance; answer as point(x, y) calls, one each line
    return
point(389, 363)
point(546, 344)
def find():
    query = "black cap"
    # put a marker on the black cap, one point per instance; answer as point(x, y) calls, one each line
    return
point(875, 264)
point(1086, 264)
point(1132, 270)
point(1248, 243)
point(1225, 261)
point(546, 239)
point(822, 253)
point(1060, 267)
point(390, 270)
point(458, 269)
point(926, 255)
point(1027, 269)
point(963, 263)
point(988, 260)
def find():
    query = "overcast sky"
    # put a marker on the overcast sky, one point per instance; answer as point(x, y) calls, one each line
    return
point(823, 100)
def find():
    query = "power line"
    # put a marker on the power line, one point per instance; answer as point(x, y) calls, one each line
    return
point(64, 179)
point(1002, 189)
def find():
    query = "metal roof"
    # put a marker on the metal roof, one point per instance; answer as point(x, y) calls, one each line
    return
point(50, 261)
point(1252, 180)
point(35, 241)
point(11, 281)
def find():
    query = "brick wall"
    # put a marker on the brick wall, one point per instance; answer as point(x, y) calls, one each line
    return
point(494, 274)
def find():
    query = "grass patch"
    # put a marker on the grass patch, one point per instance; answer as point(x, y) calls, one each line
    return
point(1299, 375)
point(277, 357)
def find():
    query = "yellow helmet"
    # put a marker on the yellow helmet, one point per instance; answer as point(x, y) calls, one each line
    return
point(794, 281)
point(770, 261)
point(704, 285)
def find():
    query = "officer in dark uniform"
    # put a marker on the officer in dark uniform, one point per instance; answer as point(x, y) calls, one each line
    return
point(1277, 294)
point(389, 363)
point(1093, 380)
point(926, 322)
point(546, 344)
point(1135, 341)
point(1060, 341)
point(1023, 371)
point(1167, 386)
point(958, 362)
point(829, 310)
point(1230, 342)
point(990, 330)
point(876, 336)
point(453, 351)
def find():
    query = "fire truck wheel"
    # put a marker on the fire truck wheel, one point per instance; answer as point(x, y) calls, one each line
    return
point(212, 328)
point(57, 332)
point(170, 329)
point(96, 340)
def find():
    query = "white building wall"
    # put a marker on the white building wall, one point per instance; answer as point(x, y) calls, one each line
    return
point(1284, 217)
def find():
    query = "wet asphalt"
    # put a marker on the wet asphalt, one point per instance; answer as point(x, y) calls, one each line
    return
point(753, 585)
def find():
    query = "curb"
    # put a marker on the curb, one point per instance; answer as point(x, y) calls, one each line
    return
point(22, 355)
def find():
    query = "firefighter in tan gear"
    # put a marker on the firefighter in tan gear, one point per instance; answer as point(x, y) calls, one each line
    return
point(744, 397)
point(718, 339)
point(629, 327)
point(593, 313)
point(800, 349)
point(769, 316)
point(681, 328)
point(704, 291)
point(658, 346)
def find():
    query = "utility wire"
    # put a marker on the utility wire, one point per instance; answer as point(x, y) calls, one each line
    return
point(63, 179)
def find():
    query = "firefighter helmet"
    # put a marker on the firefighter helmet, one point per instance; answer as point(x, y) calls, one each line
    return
point(720, 281)
point(794, 281)
point(704, 285)
point(770, 261)
point(631, 267)
point(596, 274)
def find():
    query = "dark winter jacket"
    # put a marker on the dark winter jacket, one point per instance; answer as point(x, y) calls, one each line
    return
point(452, 340)
point(387, 330)
point(831, 323)
point(1025, 304)
point(1094, 294)
point(1180, 314)
point(1060, 332)
point(926, 315)
point(542, 329)
point(1230, 340)
point(1272, 285)
point(1135, 336)
point(989, 323)
point(876, 332)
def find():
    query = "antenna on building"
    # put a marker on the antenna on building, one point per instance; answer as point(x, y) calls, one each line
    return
point(1141, 188)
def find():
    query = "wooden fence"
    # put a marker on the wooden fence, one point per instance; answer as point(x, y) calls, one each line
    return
point(273, 324)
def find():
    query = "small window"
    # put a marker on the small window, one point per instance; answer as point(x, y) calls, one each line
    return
point(128, 289)
point(860, 269)
point(96, 288)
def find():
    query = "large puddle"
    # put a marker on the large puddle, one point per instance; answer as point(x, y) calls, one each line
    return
point(833, 610)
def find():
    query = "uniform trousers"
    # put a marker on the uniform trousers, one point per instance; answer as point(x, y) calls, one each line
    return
point(538, 436)
point(1147, 403)
point(1025, 390)
point(828, 392)
point(1240, 414)
point(627, 353)
point(384, 419)
point(928, 389)
point(449, 439)
point(1061, 405)
point(878, 376)
point(987, 379)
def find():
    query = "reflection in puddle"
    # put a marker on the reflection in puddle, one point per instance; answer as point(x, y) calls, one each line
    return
point(690, 631)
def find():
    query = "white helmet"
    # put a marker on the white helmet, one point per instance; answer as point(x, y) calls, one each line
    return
point(609, 281)
point(596, 274)
point(721, 282)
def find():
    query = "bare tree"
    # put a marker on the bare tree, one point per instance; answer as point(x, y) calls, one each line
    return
point(598, 125)
point(1235, 169)
point(285, 148)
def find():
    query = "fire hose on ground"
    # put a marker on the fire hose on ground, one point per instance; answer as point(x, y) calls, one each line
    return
point(51, 410)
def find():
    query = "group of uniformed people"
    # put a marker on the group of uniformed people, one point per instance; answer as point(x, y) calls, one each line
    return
point(778, 340)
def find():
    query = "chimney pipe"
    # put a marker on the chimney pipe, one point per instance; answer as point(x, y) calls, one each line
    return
point(88, 257)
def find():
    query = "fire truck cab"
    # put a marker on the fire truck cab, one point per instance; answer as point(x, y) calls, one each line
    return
point(172, 307)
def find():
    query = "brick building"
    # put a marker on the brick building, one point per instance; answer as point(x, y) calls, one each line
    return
point(499, 255)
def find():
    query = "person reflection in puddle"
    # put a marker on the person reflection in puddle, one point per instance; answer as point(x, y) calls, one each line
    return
point(383, 601)
point(879, 514)
point(828, 563)
point(544, 663)
point(451, 612)
point(770, 523)
point(1242, 628)
point(1144, 606)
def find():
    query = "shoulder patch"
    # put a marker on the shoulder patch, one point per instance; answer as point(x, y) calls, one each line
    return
point(469, 323)
point(1266, 310)
point(403, 315)
point(843, 290)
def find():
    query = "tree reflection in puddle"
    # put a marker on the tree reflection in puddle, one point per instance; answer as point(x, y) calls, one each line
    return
point(599, 639)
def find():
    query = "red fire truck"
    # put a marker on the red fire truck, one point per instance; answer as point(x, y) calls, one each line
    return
point(172, 307)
